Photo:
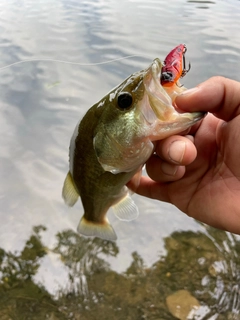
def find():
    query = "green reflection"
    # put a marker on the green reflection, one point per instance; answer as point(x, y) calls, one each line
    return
point(20, 297)
point(203, 266)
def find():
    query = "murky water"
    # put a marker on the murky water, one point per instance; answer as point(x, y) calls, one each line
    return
point(50, 272)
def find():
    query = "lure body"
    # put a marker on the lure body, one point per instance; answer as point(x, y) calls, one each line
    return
point(174, 66)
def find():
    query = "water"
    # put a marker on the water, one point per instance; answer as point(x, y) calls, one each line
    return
point(50, 272)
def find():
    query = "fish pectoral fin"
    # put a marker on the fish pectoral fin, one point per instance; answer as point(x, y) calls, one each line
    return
point(126, 209)
point(69, 192)
point(92, 229)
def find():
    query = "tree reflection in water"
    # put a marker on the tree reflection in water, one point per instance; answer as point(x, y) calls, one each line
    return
point(205, 264)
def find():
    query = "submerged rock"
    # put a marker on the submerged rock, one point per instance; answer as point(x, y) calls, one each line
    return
point(182, 305)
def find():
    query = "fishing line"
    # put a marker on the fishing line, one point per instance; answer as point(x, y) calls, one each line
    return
point(69, 62)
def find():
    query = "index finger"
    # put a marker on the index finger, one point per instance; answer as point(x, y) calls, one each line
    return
point(218, 95)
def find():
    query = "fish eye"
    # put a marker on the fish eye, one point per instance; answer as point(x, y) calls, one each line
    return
point(124, 100)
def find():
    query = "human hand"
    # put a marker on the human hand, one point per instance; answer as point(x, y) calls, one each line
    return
point(200, 172)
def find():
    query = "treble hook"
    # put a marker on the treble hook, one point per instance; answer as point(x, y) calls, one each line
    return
point(185, 71)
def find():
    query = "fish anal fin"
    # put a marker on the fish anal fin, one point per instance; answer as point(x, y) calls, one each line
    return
point(69, 192)
point(126, 209)
point(92, 229)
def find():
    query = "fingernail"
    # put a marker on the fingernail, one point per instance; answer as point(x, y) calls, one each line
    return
point(189, 91)
point(169, 169)
point(176, 151)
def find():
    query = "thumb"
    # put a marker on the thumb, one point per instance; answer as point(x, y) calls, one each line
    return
point(218, 95)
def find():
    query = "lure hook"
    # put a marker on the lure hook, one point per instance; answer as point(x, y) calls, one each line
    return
point(185, 71)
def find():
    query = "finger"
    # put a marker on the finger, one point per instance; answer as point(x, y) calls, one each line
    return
point(218, 95)
point(152, 189)
point(178, 150)
point(161, 171)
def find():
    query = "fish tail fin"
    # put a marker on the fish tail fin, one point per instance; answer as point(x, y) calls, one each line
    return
point(69, 192)
point(104, 230)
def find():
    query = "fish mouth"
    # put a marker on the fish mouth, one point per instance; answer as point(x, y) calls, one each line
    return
point(160, 107)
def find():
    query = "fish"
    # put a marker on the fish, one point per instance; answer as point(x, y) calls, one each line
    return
point(174, 66)
point(112, 142)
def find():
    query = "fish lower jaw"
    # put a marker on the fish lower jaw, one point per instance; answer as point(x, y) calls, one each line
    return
point(164, 129)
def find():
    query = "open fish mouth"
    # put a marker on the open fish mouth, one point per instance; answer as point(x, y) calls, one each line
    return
point(160, 102)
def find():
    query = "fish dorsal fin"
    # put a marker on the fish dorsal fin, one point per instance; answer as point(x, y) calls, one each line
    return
point(126, 209)
point(104, 230)
point(69, 192)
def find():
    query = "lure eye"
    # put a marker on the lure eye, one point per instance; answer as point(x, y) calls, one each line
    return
point(124, 100)
point(166, 76)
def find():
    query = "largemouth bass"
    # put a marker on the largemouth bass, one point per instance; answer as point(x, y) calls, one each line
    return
point(112, 142)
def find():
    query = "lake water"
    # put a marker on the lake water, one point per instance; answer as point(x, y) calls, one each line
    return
point(48, 271)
